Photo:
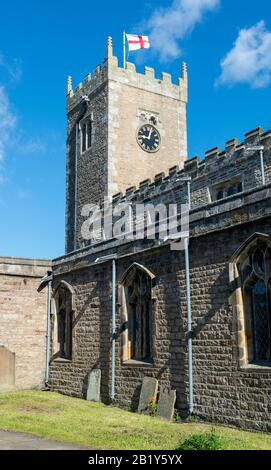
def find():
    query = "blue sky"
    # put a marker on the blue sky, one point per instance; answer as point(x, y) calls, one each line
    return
point(226, 43)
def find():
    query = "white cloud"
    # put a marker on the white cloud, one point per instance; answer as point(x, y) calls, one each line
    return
point(11, 135)
point(168, 26)
point(32, 146)
point(8, 121)
point(10, 72)
point(249, 61)
point(15, 70)
point(12, 69)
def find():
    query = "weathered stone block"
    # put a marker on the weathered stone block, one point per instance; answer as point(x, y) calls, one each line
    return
point(166, 403)
point(7, 368)
point(149, 391)
point(94, 385)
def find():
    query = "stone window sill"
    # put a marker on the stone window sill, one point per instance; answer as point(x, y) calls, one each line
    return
point(134, 363)
point(256, 367)
point(83, 152)
point(62, 360)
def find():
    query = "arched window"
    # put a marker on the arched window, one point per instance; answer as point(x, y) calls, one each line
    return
point(239, 188)
point(137, 314)
point(251, 300)
point(63, 297)
point(86, 135)
point(256, 278)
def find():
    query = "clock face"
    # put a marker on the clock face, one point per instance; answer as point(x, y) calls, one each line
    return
point(148, 138)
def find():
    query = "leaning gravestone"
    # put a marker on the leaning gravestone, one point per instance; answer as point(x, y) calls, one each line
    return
point(94, 385)
point(7, 368)
point(148, 393)
point(167, 399)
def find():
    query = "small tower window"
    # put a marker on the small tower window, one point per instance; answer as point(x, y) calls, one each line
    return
point(89, 133)
point(86, 135)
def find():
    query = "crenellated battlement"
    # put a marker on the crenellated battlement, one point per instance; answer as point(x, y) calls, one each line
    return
point(90, 83)
point(216, 167)
point(110, 70)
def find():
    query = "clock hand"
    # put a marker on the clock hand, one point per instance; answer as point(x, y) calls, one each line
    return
point(150, 134)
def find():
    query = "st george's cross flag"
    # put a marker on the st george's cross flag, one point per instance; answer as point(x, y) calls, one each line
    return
point(136, 42)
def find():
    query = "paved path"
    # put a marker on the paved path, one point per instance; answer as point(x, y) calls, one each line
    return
point(21, 441)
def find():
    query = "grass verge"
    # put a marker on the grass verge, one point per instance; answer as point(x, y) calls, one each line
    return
point(54, 416)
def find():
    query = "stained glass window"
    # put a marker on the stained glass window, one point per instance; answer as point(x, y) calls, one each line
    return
point(256, 280)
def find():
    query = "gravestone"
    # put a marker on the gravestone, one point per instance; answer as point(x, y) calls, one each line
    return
point(148, 392)
point(7, 368)
point(166, 403)
point(94, 385)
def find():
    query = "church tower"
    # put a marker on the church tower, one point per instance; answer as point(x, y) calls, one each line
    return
point(122, 128)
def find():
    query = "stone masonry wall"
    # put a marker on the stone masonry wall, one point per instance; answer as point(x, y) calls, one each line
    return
point(92, 334)
point(223, 392)
point(131, 93)
point(91, 165)
point(23, 317)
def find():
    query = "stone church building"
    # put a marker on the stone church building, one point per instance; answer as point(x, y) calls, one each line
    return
point(127, 142)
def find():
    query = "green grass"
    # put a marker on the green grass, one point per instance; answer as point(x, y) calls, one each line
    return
point(97, 426)
point(202, 441)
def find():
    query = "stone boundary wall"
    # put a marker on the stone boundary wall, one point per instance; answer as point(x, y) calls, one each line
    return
point(23, 314)
point(27, 267)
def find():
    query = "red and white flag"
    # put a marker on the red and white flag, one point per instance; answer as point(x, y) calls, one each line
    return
point(136, 42)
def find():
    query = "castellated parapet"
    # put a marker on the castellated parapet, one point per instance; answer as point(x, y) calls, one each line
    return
point(217, 168)
point(128, 76)
point(221, 182)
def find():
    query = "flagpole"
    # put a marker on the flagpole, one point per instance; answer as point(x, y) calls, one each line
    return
point(124, 50)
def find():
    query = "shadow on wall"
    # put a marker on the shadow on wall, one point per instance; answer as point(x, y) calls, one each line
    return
point(217, 288)
point(168, 351)
point(99, 305)
point(174, 311)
